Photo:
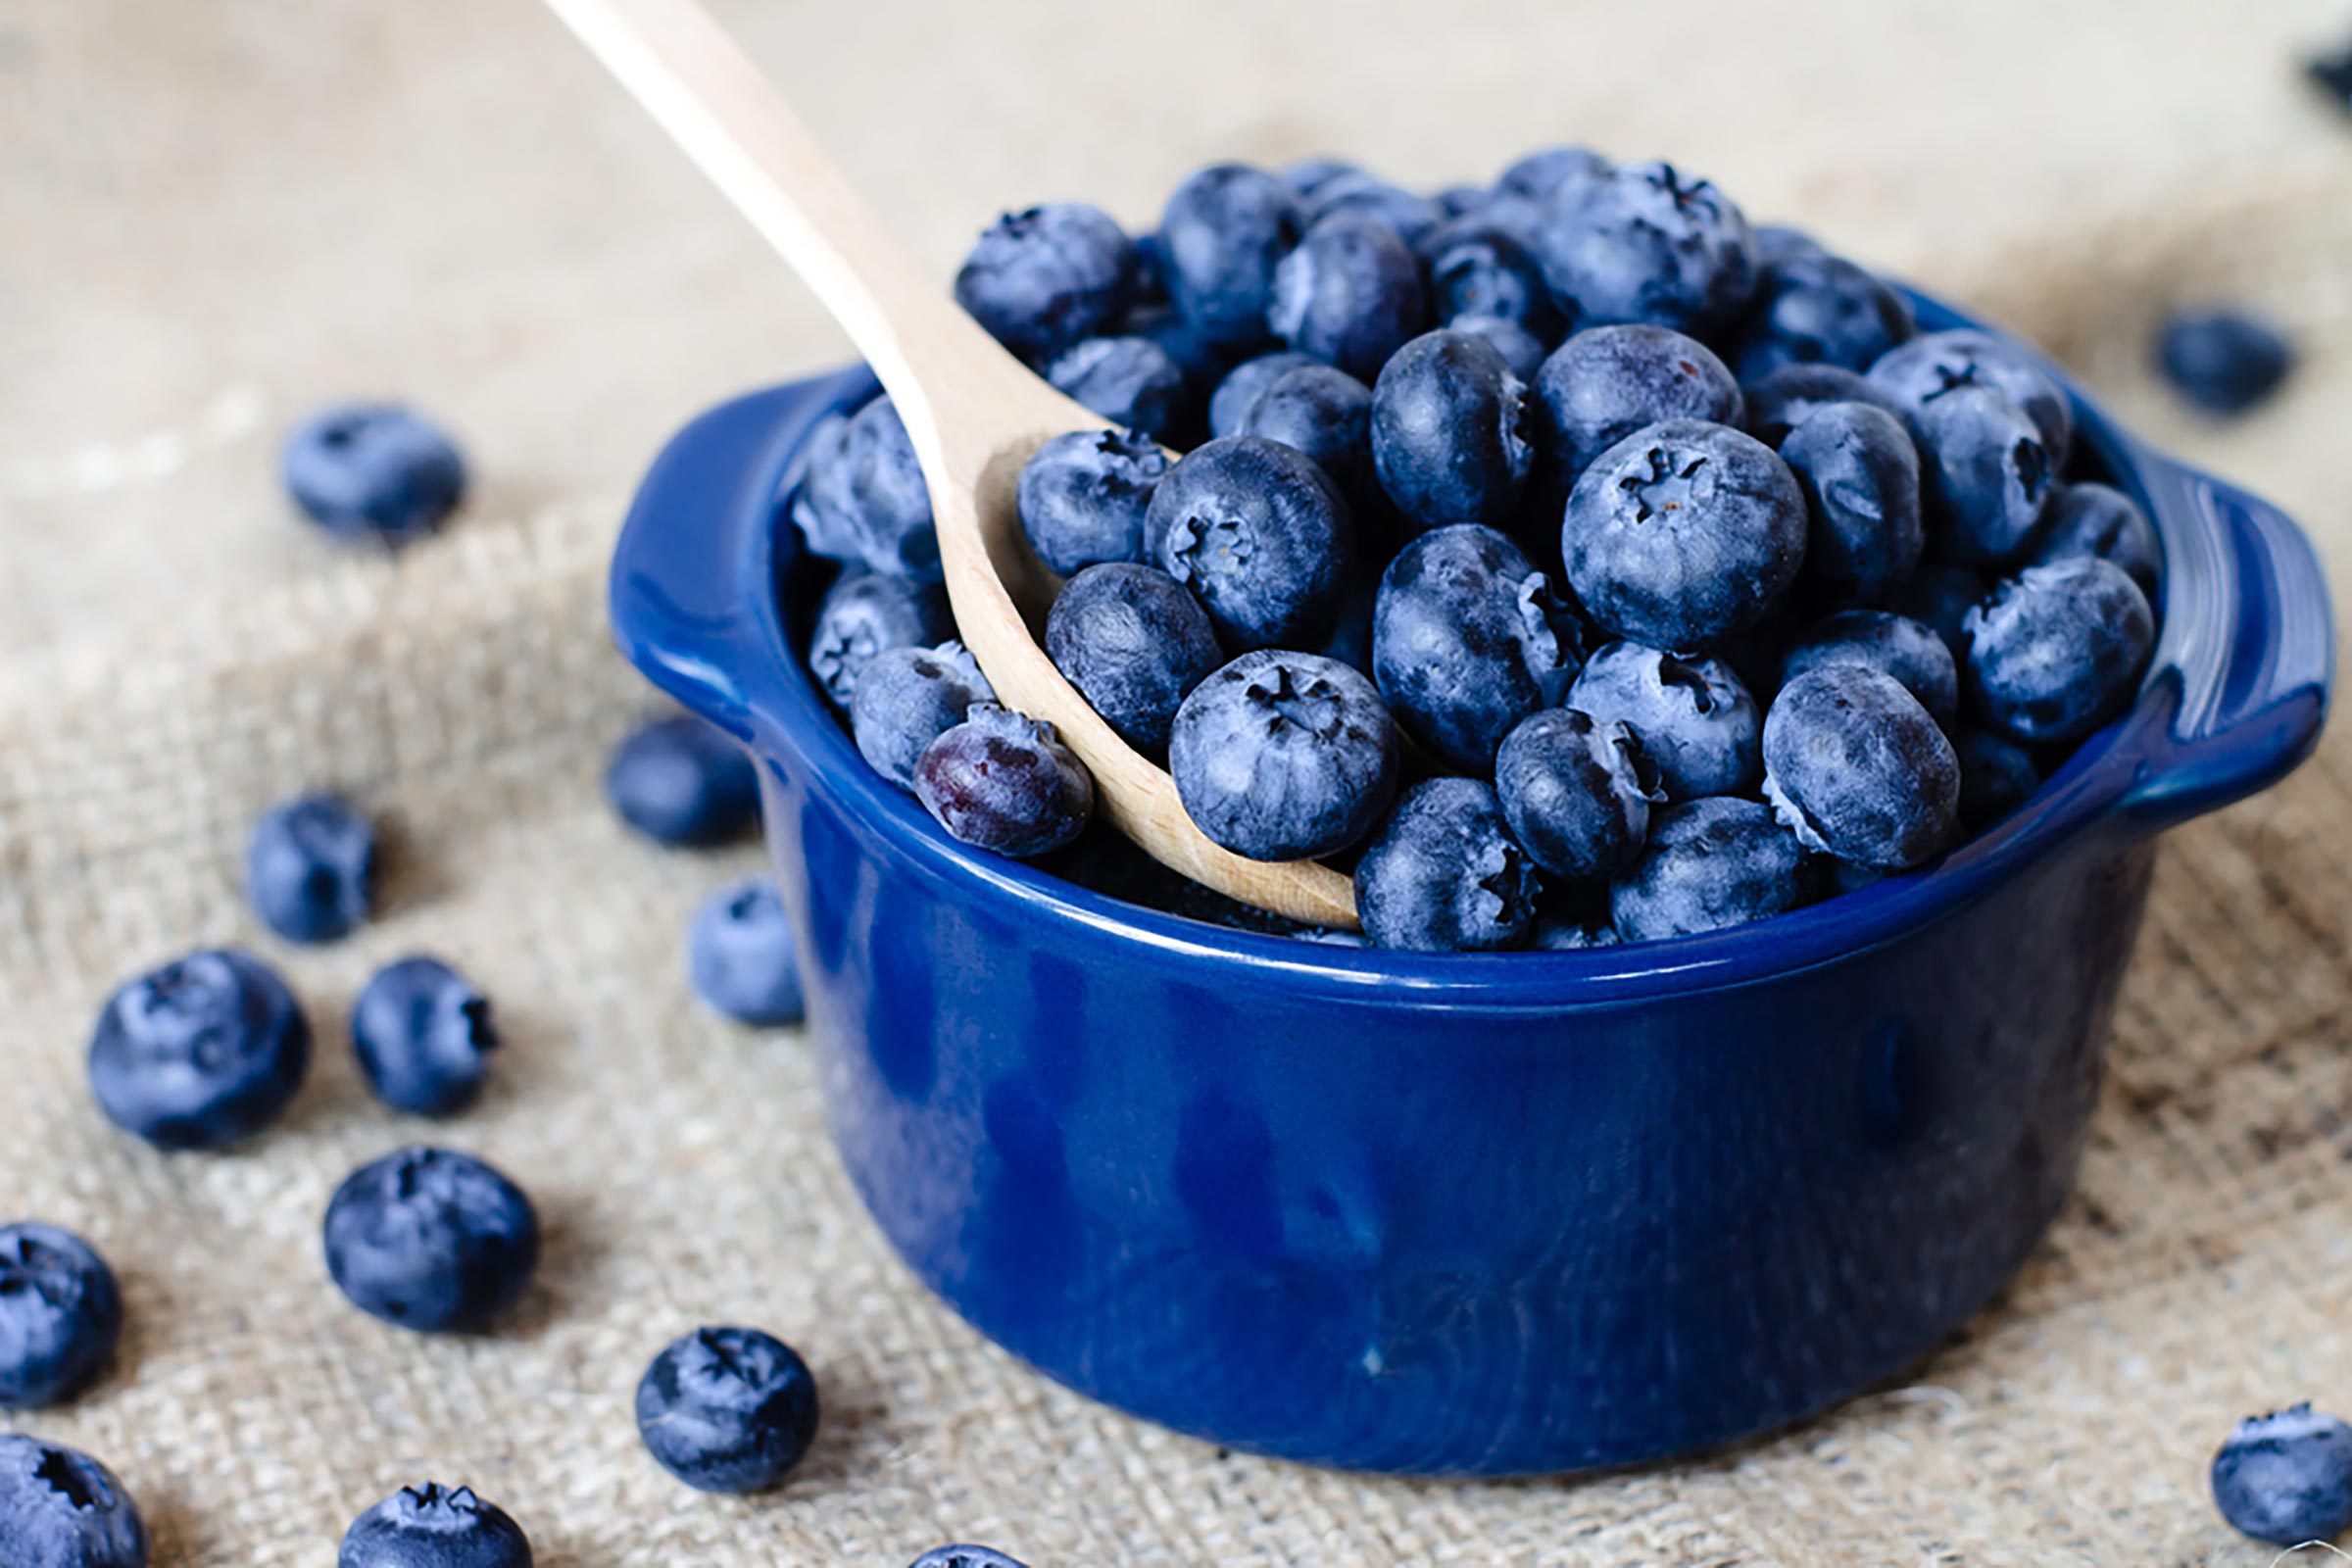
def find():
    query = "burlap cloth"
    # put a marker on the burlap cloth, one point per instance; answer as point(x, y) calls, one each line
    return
point(214, 213)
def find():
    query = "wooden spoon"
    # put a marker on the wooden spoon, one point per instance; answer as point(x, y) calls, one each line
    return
point(975, 412)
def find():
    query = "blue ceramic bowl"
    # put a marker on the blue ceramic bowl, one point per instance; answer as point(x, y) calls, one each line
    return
point(1470, 1214)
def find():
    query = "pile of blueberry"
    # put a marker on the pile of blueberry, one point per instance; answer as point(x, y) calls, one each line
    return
point(1574, 561)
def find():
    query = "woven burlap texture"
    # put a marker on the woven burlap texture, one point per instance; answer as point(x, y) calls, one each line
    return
point(217, 213)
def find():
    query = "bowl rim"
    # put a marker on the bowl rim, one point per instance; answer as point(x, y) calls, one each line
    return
point(2085, 792)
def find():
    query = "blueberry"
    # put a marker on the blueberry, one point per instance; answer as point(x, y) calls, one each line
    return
point(1003, 781)
point(1223, 232)
point(1405, 213)
point(861, 498)
point(1940, 596)
point(2224, 362)
point(1477, 268)
point(1351, 639)
point(2059, 650)
point(907, 697)
point(1308, 175)
point(60, 1314)
point(1683, 534)
point(1576, 793)
point(1279, 755)
point(1918, 373)
point(1756, 655)
point(1601, 386)
point(1984, 475)
point(1860, 474)
point(1230, 405)
point(1647, 243)
point(1130, 381)
point(1996, 777)
point(1351, 292)
point(2097, 520)
point(1892, 644)
point(1711, 863)
point(1201, 362)
point(1260, 533)
point(310, 867)
point(1450, 432)
point(1444, 873)
point(1781, 401)
point(864, 614)
point(423, 1037)
point(1460, 201)
point(435, 1527)
point(1082, 495)
point(1859, 769)
point(2331, 74)
point(361, 469)
point(1698, 726)
point(1573, 936)
point(1812, 307)
point(1541, 174)
point(1520, 349)
point(1778, 242)
point(1467, 640)
point(1042, 278)
point(430, 1239)
point(200, 1053)
point(1133, 642)
point(727, 1410)
point(1323, 413)
point(739, 955)
point(961, 1556)
point(677, 780)
point(2286, 1478)
point(60, 1508)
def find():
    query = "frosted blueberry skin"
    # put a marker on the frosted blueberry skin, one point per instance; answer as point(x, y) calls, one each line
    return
point(433, 1526)
point(1780, 401)
point(201, 1053)
point(1812, 307)
point(1984, 475)
point(1477, 267)
point(1892, 644)
point(1859, 769)
point(963, 1556)
point(430, 1239)
point(1260, 533)
point(1351, 292)
point(739, 955)
point(1520, 349)
point(1683, 534)
point(862, 499)
point(1444, 874)
point(372, 470)
point(1003, 781)
point(310, 869)
point(1940, 596)
point(60, 1508)
point(2286, 1478)
point(2222, 361)
point(1450, 432)
point(864, 614)
point(727, 1410)
point(679, 781)
point(1131, 381)
point(907, 697)
point(2058, 651)
point(1308, 175)
point(1601, 386)
point(1572, 936)
point(1082, 498)
point(424, 1036)
point(1467, 640)
point(1917, 374)
point(1541, 174)
point(1223, 232)
point(1323, 413)
point(1281, 756)
point(1134, 643)
point(1701, 730)
point(1238, 393)
point(1859, 473)
point(61, 1315)
point(1408, 215)
point(1459, 201)
point(1647, 243)
point(1576, 794)
point(1711, 863)
point(1996, 777)
point(2097, 520)
point(1040, 278)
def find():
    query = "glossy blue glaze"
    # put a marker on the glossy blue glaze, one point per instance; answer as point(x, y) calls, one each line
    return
point(1488, 1214)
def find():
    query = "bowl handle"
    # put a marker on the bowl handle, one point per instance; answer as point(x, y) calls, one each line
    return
point(690, 605)
point(2249, 642)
